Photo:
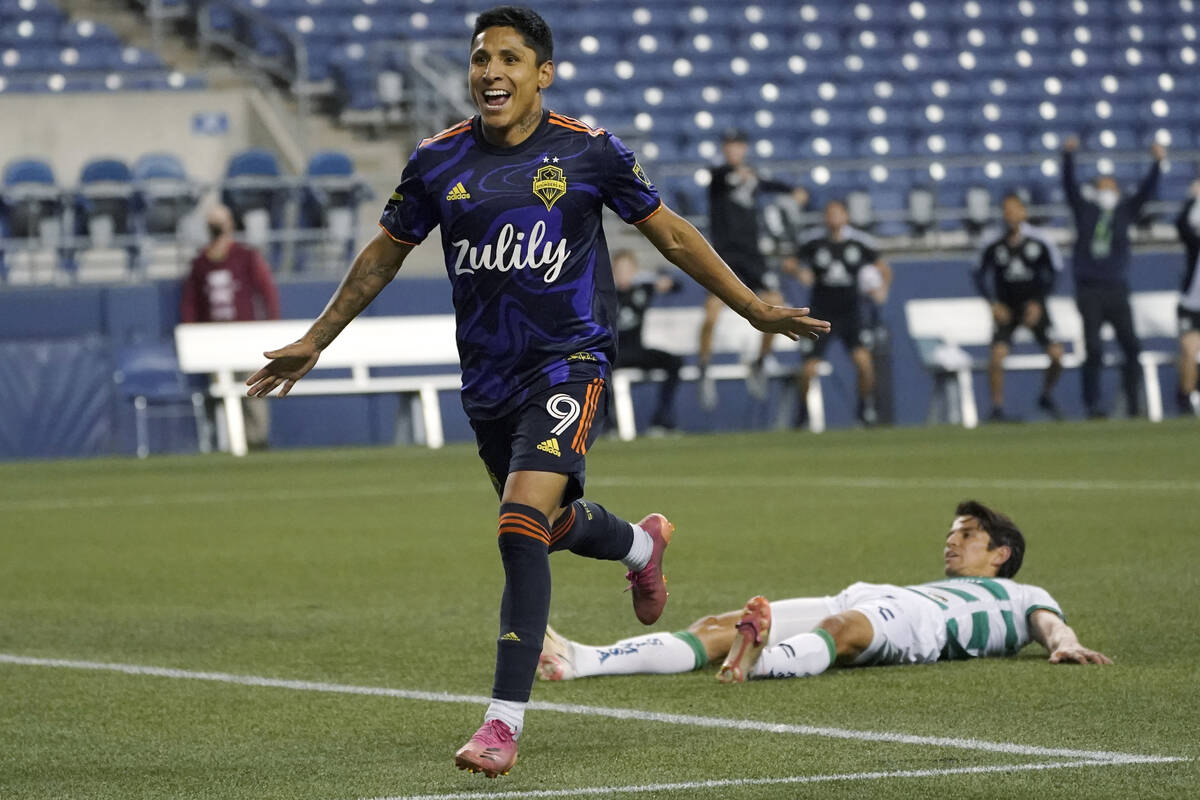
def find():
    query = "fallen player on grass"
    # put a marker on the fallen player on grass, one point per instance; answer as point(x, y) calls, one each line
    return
point(976, 611)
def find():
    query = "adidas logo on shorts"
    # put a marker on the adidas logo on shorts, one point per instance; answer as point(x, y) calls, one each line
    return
point(550, 446)
point(459, 192)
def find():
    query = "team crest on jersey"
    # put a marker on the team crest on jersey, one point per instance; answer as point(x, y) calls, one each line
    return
point(549, 184)
point(852, 253)
point(640, 174)
point(1032, 250)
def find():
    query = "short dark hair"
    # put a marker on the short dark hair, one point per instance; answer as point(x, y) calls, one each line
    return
point(525, 21)
point(1002, 532)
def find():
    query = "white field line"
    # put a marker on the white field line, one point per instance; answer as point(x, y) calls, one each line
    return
point(593, 791)
point(594, 711)
point(674, 482)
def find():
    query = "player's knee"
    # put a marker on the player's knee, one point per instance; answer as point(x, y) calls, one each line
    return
point(704, 624)
point(852, 633)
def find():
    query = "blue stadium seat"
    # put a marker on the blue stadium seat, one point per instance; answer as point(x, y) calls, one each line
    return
point(30, 200)
point(148, 377)
point(254, 189)
point(166, 195)
point(106, 205)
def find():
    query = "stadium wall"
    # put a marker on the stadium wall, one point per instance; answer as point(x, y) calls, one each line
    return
point(49, 333)
point(202, 128)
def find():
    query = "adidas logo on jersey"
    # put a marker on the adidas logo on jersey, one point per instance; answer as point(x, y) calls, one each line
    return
point(511, 637)
point(459, 192)
point(550, 446)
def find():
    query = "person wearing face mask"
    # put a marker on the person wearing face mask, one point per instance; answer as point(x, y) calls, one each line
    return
point(1101, 268)
point(230, 282)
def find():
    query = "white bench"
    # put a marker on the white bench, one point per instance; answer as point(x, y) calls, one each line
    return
point(224, 349)
point(942, 327)
point(677, 330)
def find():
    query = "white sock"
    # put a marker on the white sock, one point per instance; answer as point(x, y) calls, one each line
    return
point(639, 552)
point(801, 656)
point(510, 712)
point(654, 653)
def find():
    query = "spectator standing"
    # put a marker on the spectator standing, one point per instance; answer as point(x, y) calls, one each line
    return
point(733, 194)
point(1023, 266)
point(1188, 225)
point(1100, 263)
point(634, 297)
point(230, 282)
point(847, 274)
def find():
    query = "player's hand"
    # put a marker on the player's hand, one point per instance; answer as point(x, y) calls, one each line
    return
point(1071, 144)
point(800, 197)
point(1033, 314)
point(1158, 152)
point(1001, 313)
point(1078, 654)
point(288, 365)
point(791, 322)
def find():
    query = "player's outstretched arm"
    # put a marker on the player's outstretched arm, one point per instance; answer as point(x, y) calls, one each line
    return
point(1060, 640)
point(682, 245)
point(372, 270)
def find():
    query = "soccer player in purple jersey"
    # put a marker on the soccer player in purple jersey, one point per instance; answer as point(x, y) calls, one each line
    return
point(517, 192)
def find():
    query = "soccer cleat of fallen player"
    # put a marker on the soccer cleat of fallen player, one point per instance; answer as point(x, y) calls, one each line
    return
point(649, 585)
point(557, 661)
point(492, 750)
point(749, 641)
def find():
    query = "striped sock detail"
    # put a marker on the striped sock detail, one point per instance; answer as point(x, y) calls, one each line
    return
point(591, 400)
point(523, 524)
point(564, 524)
point(697, 646)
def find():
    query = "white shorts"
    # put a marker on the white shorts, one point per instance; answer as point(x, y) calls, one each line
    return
point(909, 629)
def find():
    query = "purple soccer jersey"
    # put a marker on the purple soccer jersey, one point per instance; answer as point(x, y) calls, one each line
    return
point(525, 251)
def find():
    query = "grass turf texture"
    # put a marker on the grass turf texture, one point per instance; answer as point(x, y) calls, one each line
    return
point(379, 567)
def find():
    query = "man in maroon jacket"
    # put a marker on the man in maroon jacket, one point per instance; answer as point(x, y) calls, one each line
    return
point(230, 282)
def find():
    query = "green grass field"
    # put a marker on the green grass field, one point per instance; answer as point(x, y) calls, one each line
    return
point(378, 568)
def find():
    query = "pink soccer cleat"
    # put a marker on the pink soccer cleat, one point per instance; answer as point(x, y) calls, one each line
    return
point(492, 750)
point(748, 642)
point(649, 585)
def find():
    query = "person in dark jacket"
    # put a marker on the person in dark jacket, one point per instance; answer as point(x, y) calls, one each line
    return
point(1188, 225)
point(1101, 267)
point(733, 195)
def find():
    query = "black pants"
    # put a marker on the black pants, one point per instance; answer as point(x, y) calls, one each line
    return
point(648, 358)
point(1108, 302)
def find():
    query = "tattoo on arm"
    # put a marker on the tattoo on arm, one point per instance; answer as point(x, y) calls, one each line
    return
point(362, 284)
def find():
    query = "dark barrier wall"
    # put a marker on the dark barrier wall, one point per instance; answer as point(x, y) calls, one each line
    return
point(48, 333)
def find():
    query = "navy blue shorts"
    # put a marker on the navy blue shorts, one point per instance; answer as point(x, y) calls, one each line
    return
point(550, 432)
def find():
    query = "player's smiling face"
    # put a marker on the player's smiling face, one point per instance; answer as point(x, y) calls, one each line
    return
point(966, 552)
point(506, 82)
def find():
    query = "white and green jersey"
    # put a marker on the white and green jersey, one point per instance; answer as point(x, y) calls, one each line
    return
point(985, 616)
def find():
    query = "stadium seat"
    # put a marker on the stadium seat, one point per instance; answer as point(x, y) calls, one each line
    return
point(164, 189)
point(330, 199)
point(147, 376)
point(31, 208)
point(257, 194)
point(106, 207)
